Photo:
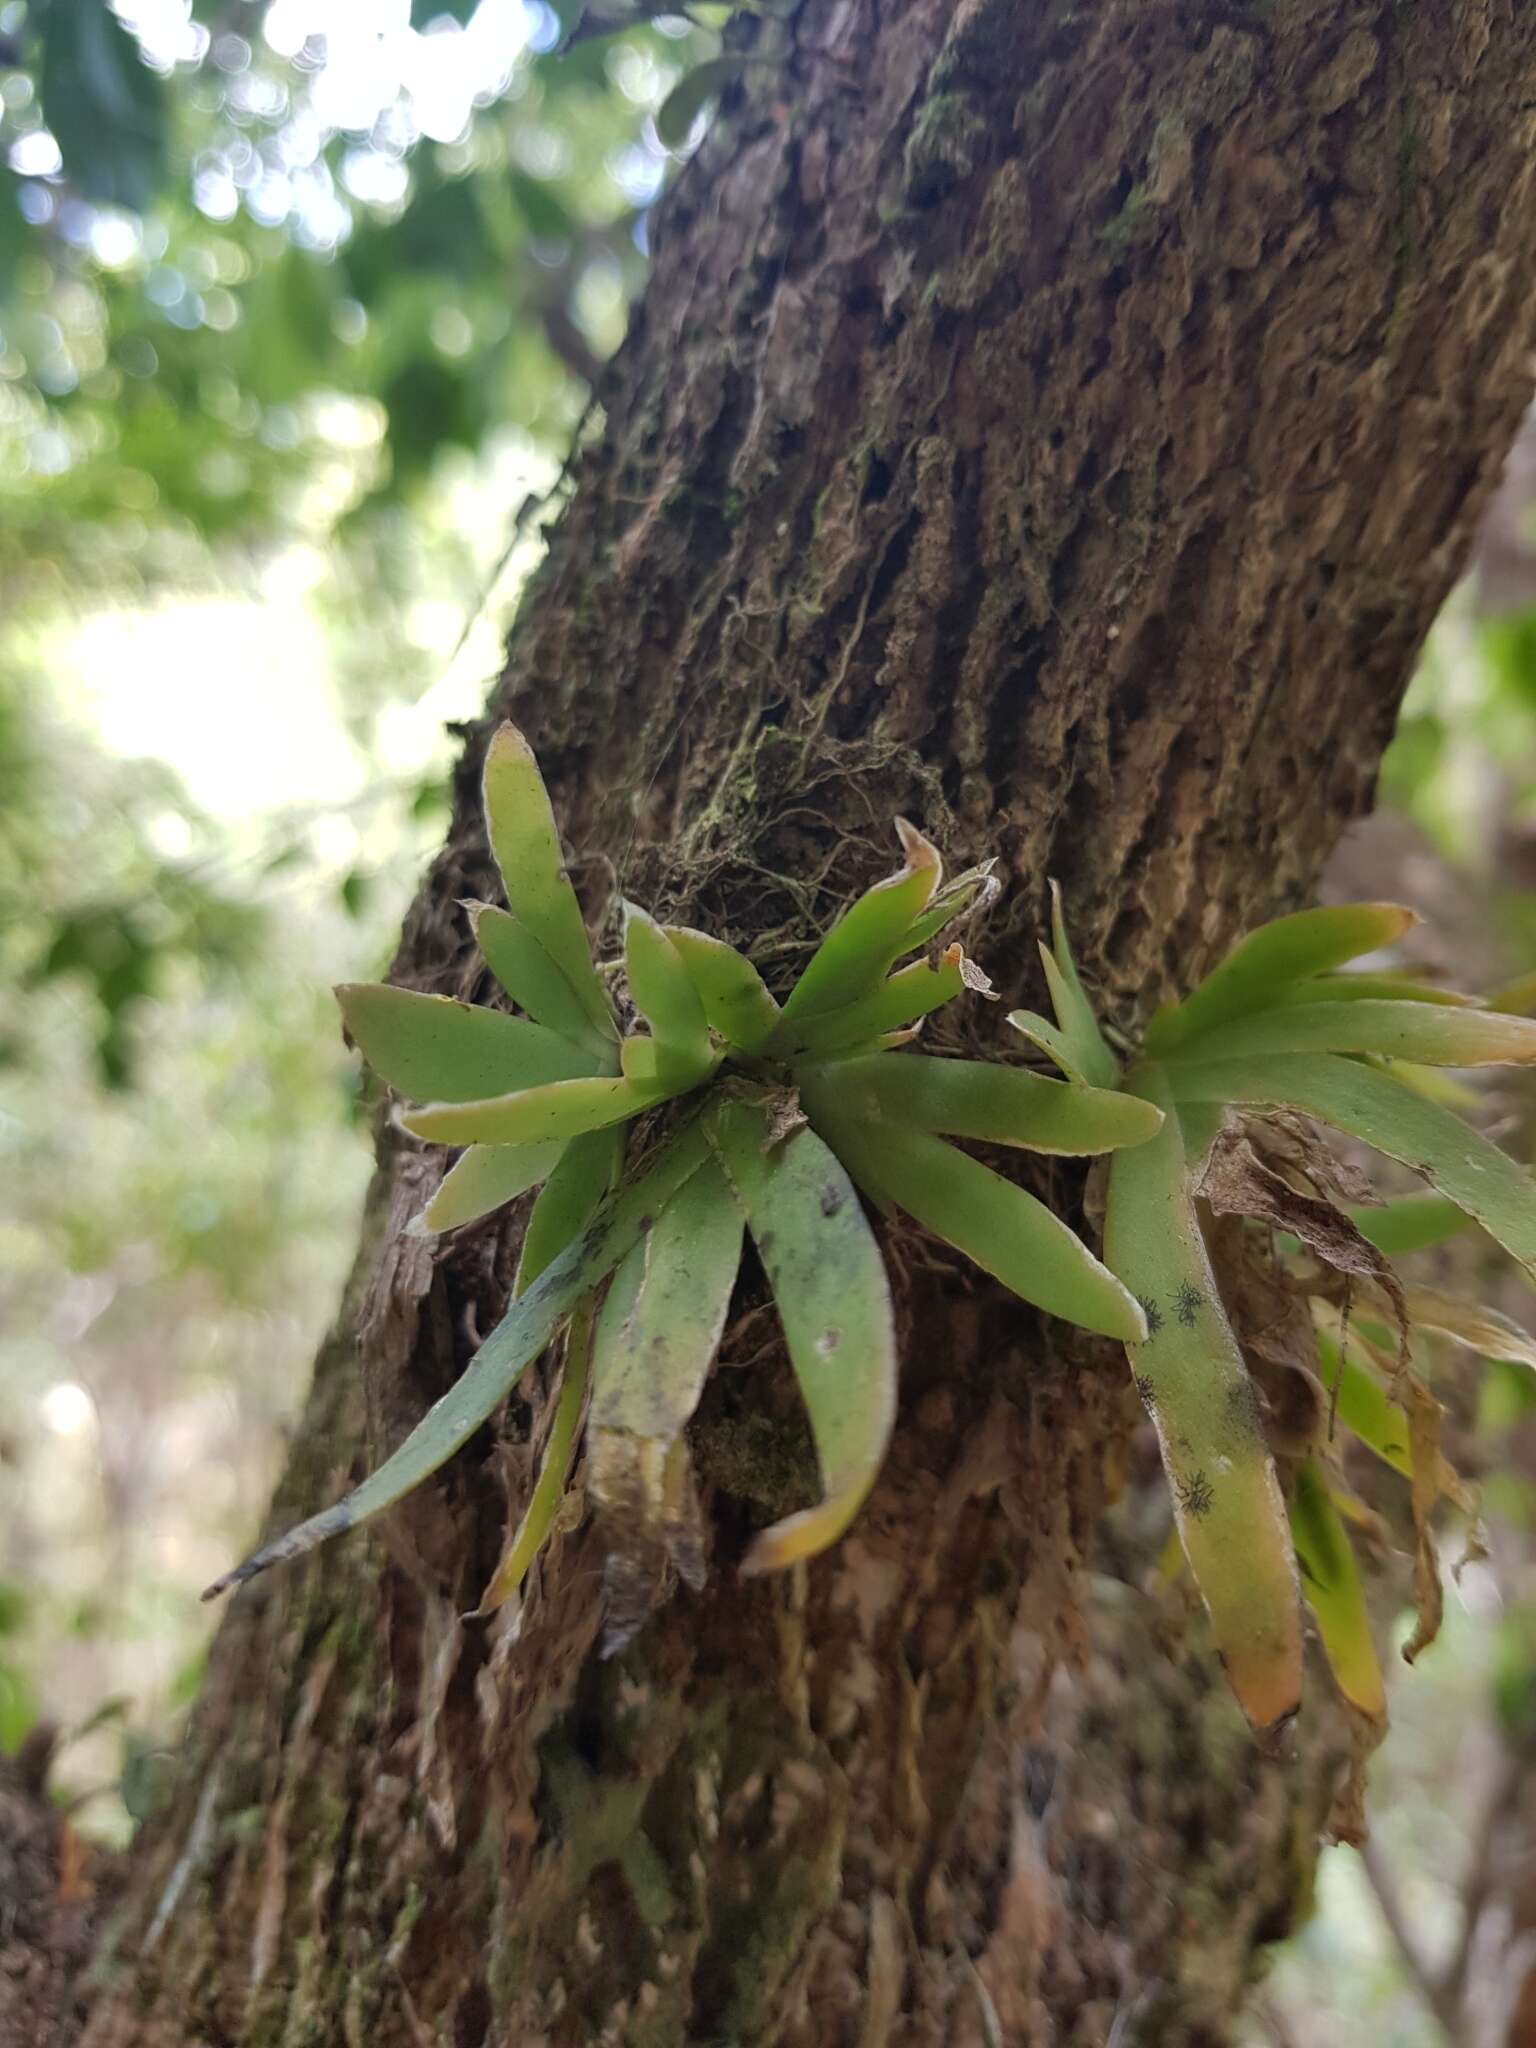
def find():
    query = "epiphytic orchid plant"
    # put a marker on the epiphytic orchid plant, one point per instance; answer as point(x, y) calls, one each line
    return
point(1274, 1036)
point(775, 1118)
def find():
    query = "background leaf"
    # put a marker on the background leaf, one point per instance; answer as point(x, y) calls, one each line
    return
point(103, 104)
point(692, 93)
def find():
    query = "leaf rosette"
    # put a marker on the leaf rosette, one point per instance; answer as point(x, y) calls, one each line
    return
point(1280, 1035)
point(779, 1122)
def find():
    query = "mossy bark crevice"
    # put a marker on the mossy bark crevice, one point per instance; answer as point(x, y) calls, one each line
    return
point(1058, 425)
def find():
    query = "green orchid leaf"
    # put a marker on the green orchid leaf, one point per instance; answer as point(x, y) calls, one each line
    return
point(954, 902)
point(1074, 1013)
point(534, 981)
point(485, 1178)
point(665, 995)
point(1190, 1373)
point(834, 1302)
point(1411, 1418)
point(910, 993)
point(587, 1172)
point(692, 93)
point(657, 1338)
point(528, 1538)
point(993, 1103)
point(1410, 1223)
point(637, 1059)
point(526, 843)
point(1362, 1404)
point(619, 1301)
point(1516, 998)
point(435, 1049)
point(1426, 1033)
point(1455, 1159)
point(736, 1003)
point(854, 956)
point(1370, 988)
point(654, 1350)
point(531, 1116)
point(1435, 1084)
point(1050, 1040)
point(1201, 1123)
point(999, 1225)
point(495, 1368)
point(1288, 949)
point(1330, 1581)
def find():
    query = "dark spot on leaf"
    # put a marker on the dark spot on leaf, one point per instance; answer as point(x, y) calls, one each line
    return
point(831, 1199)
point(1152, 1312)
point(828, 1341)
point(1144, 1388)
point(1187, 1303)
point(1243, 1403)
point(1196, 1495)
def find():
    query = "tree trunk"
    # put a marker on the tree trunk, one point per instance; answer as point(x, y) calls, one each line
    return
point(1058, 424)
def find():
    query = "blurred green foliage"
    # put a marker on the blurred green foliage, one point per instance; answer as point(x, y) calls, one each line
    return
point(266, 259)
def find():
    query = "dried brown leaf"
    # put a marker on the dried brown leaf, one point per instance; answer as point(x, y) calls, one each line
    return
point(1236, 1181)
point(1293, 1144)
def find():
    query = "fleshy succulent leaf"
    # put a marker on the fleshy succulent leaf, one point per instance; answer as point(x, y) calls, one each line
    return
point(1190, 1373)
point(1201, 1124)
point(1516, 998)
point(482, 1180)
point(1455, 1159)
point(1330, 1581)
point(538, 984)
point(1429, 1034)
point(998, 1224)
point(655, 1348)
point(432, 1048)
point(637, 1059)
point(526, 1541)
point(910, 993)
point(997, 1104)
point(526, 843)
point(517, 1339)
point(1370, 988)
point(665, 995)
point(657, 1338)
point(530, 1116)
point(1075, 1014)
point(1050, 1039)
point(587, 1172)
point(1286, 950)
point(954, 902)
point(1363, 1406)
point(834, 1302)
point(853, 957)
point(736, 1002)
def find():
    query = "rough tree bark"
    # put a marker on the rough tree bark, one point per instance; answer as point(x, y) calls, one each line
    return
point(1058, 423)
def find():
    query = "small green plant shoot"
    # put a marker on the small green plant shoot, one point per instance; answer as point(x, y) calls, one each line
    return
point(1274, 1036)
point(761, 1119)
